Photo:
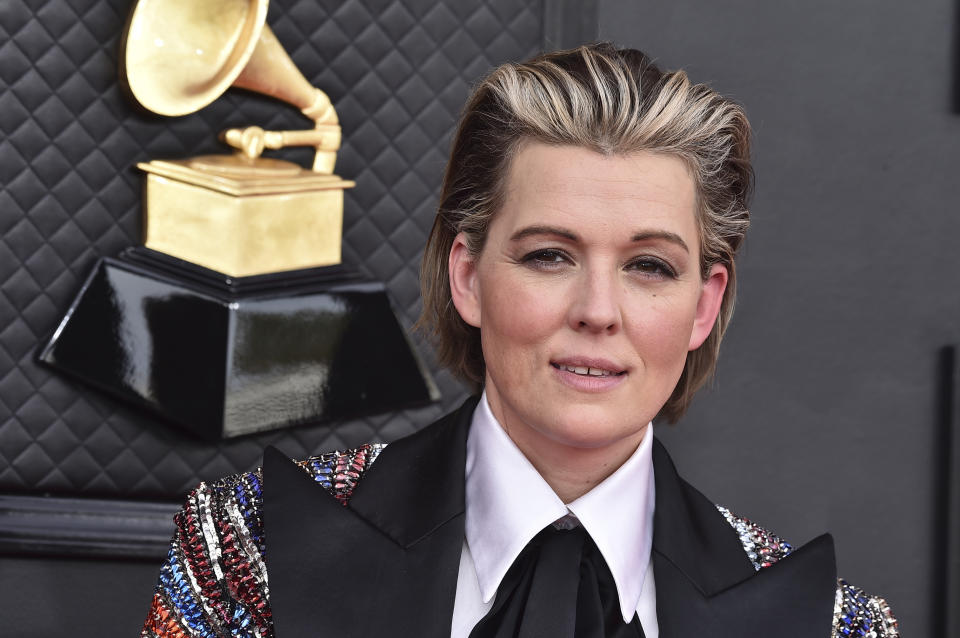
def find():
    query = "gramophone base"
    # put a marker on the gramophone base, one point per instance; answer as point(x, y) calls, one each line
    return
point(243, 224)
point(223, 357)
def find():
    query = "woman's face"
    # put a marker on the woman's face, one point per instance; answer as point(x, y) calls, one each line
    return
point(587, 294)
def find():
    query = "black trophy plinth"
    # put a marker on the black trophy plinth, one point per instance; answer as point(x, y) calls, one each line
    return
point(224, 356)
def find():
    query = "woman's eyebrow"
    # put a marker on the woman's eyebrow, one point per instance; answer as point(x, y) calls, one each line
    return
point(666, 235)
point(556, 231)
point(544, 230)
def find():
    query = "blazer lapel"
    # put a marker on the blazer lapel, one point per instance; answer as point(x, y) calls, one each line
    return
point(387, 563)
point(706, 585)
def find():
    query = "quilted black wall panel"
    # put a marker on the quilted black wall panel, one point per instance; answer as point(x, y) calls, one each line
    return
point(398, 72)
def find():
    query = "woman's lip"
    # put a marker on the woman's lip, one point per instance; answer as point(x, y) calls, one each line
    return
point(590, 363)
point(587, 382)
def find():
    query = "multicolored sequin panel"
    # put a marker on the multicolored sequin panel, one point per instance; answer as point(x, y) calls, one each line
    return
point(860, 615)
point(214, 580)
point(339, 472)
point(855, 613)
point(763, 548)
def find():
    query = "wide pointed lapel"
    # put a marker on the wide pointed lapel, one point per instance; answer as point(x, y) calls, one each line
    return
point(706, 585)
point(387, 563)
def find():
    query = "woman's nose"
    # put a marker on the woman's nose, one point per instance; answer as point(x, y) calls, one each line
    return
point(596, 303)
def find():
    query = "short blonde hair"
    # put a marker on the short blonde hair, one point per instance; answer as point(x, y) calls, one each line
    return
point(612, 101)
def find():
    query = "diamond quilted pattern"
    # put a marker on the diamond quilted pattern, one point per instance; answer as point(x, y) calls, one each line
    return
point(398, 72)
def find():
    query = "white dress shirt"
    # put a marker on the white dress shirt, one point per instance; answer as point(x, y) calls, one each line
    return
point(508, 503)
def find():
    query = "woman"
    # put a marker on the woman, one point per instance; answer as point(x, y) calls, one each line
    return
point(580, 274)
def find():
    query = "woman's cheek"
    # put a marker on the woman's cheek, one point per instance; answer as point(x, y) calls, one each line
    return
point(659, 334)
point(517, 306)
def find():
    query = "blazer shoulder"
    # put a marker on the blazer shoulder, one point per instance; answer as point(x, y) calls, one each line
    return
point(213, 581)
point(855, 613)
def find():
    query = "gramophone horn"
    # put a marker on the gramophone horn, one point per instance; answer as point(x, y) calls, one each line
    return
point(180, 55)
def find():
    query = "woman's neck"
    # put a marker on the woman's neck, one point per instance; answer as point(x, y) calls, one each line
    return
point(573, 471)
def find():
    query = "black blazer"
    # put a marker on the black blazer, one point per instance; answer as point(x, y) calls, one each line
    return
point(386, 564)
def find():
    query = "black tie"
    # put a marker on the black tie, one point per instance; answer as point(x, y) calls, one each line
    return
point(559, 587)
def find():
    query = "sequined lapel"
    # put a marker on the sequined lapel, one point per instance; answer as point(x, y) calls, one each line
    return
point(387, 563)
point(706, 585)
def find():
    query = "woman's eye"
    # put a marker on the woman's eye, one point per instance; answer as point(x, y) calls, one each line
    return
point(652, 267)
point(545, 258)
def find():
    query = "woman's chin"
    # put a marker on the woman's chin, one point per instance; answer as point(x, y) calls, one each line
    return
point(586, 433)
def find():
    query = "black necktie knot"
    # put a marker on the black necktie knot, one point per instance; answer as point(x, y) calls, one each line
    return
point(558, 587)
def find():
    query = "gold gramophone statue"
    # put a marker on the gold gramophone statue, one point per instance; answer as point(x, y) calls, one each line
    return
point(236, 315)
point(239, 214)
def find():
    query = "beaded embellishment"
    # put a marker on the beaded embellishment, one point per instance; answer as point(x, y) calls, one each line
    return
point(763, 547)
point(855, 613)
point(214, 580)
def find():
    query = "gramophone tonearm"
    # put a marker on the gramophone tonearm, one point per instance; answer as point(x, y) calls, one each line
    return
point(181, 55)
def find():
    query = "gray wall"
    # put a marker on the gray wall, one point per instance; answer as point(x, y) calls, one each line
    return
point(823, 413)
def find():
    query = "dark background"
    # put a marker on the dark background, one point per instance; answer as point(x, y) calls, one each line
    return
point(823, 415)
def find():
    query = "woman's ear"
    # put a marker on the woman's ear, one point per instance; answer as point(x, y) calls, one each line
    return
point(464, 283)
point(708, 306)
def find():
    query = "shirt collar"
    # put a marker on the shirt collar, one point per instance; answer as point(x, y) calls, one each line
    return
point(508, 503)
